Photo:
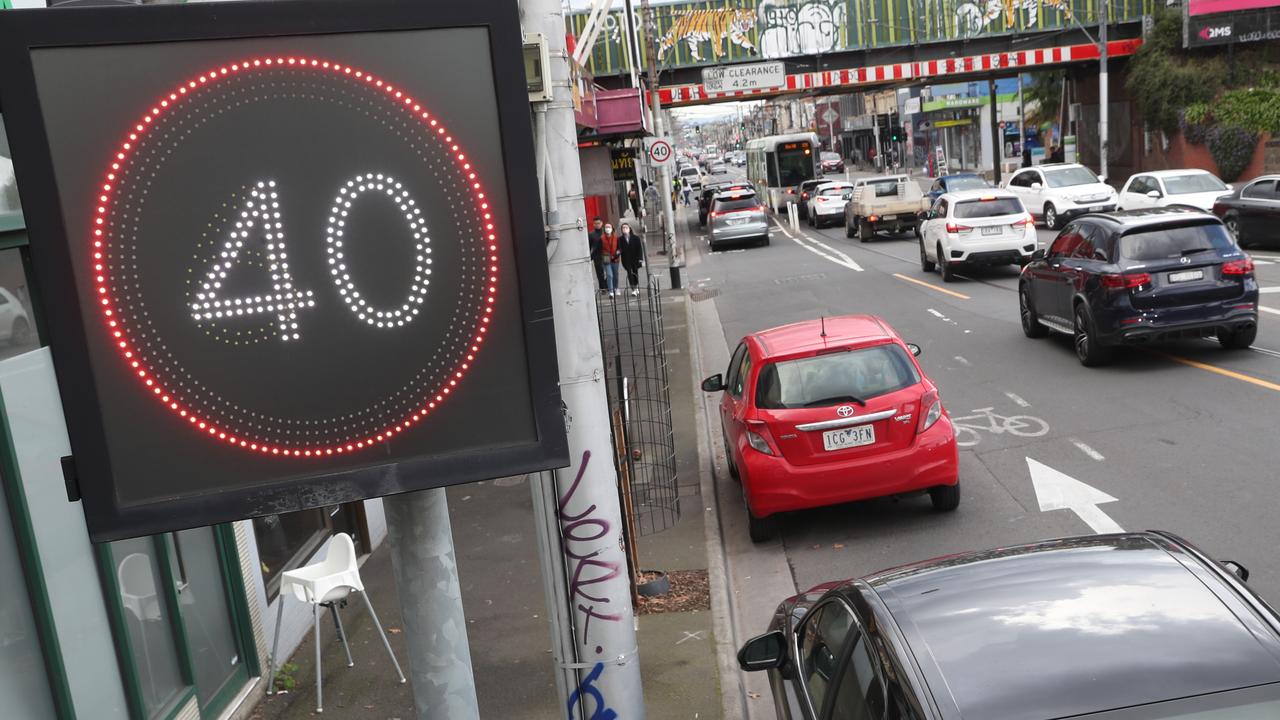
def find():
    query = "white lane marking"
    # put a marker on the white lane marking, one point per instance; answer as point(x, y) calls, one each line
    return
point(850, 264)
point(937, 314)
point(1058, 491)
point(963, 362)
point(1263, 262)
point(832, 250)
point(1087, 450)
point(1017, 400)
point(1269, 290)
point(1266, 309)
point(1265, 351)
point(1265, 257)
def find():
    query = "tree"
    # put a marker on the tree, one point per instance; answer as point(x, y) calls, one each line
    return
point(1043, 96)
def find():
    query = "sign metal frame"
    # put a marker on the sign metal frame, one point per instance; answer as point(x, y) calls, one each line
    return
point(296, 487)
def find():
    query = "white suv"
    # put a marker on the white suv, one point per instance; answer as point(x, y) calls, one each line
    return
point(975, 227)
point(1059, 191)
point(826, 203)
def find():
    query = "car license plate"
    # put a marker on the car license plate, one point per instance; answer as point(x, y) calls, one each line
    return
point(888, 217)
point(991, 230)
point(848, 437)
point(736, 221)
point(1186, 275)
point(1097, 208)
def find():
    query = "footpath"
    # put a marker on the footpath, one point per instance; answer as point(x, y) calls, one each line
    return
point(683, 654)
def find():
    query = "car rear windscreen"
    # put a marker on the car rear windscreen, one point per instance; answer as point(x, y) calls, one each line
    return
point(969, 209)
point(837, 191)
point(1173, 243)
point(835, 378)
point(966, 183)
point(738, 203)
point(1193, 183)
point(885, 188)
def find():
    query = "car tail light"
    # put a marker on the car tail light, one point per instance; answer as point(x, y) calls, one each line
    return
point(1238, 267)
point(758, 208)
point(756, 434)
point(956, 229)
point(1125, 282)
point(804, 196)
point(712, 214)
point(930, 410)
point(872, 218)
point(1025, 223)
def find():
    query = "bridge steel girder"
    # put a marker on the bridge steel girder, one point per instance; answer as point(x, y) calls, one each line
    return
point(908, 72)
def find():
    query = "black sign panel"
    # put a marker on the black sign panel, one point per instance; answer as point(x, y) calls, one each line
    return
point(624, 163)
point(290, 253)
point(1238, 27)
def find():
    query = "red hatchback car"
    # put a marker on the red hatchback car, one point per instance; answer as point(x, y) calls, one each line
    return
point(829, 411)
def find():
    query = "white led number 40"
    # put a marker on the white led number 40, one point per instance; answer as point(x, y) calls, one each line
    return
point(260, 213)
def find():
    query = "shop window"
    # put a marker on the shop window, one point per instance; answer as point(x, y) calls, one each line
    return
point(289, 540)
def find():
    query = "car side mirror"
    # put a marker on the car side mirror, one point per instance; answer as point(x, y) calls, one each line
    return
point(1037, 186)
point(1230, 186)
point(915, 349)
point(1038, 254)
point(763, 652)
point(1154, 195)
point(1102, 178)
point(1236, 569)
point(715, 383)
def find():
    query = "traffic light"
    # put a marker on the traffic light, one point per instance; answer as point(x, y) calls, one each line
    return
point(895, 133)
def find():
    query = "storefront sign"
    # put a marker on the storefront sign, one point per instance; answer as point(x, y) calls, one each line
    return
point(1234, 27)
point(755, 76)
point(623, 160)
point(952, 123)
point(281, 264)
point(912, 106)
point(954, 103)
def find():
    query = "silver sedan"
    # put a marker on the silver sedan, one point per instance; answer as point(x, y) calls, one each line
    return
point(737, 217)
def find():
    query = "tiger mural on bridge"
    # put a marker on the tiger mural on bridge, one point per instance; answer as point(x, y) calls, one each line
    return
point(974, 17)
point(714, 26)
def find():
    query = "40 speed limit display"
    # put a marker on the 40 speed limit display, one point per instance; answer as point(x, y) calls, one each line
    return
point(281, 270)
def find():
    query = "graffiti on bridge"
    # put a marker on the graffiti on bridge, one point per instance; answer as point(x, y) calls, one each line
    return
point(701, 32)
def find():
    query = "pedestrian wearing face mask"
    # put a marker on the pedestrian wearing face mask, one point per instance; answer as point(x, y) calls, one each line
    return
point(609, 256)
point(593, 242)
point(631, 251)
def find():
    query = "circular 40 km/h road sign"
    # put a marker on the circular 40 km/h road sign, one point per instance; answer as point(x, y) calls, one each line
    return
point(282, 270)
point(660, 151)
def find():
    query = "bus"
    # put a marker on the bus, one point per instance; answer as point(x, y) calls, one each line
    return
point(778, 163)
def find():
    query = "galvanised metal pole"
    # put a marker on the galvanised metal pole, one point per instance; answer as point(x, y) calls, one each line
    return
point(674, 253)
point(435, 626)
point(1104, 108)
point(588, 560)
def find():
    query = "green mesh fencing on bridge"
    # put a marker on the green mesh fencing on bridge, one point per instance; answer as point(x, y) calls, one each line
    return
point(709, 32)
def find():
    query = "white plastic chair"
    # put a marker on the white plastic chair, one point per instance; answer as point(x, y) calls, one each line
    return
point(323, 584)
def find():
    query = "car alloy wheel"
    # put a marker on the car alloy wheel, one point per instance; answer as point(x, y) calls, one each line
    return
point(1050, 217)
point(1031, 326)
point(1233, 225)
point(1090, 352)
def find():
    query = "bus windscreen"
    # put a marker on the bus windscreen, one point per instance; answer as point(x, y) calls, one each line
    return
point(795, 163)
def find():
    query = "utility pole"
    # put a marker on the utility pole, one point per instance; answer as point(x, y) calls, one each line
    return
point(675, 254)
point(997, 142)
point(1022, 119)
point(426, 574)
point(577, 509)
point(1104, 109)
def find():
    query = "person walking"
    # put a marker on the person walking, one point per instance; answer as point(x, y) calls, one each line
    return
point(633, 197)
point(631, 252)
point(609, 256)
point(685, 190)
point(594, 243)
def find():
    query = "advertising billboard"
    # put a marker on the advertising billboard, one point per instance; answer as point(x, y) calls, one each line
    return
point(285, 259)
point(1209, 7)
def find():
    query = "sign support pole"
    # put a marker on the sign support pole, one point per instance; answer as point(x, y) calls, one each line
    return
point(997, 140)
point(426, 573)
point(675, 254)
point(577, 509)
point(1104, 109)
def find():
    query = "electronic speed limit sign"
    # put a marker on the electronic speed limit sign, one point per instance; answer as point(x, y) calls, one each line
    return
point(282, 265)
point(659, 151)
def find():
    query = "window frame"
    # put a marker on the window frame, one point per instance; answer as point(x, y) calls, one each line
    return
point(1244, 194)
point(1071, 228)
point(855, 627)
point(735, 361)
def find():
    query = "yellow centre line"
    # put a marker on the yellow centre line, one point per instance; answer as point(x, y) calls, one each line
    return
point(1220, 371)
point(931, 286)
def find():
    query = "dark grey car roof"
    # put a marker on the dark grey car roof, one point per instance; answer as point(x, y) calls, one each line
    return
point(1074, 626)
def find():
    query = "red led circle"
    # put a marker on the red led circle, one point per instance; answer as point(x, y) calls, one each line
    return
point(120, 332)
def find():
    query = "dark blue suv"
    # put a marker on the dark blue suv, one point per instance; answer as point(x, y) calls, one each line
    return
point(1137, 277)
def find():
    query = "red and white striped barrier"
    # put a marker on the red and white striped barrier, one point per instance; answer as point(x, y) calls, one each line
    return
point(922, 70)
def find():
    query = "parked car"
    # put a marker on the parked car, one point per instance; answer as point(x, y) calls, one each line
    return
point(1058, 192)
point(889, 202)
point(831, 162)
point(1198, 189)
point(1252, 212)
point(976, 227)
point(829, 411)
point(1134, 626)
point(1139, 277)
point(710, 190)
point(826, 203)
point(737, 216)
point(953, 183)
point(693, 176)
point(15, 324)
point(803, 190)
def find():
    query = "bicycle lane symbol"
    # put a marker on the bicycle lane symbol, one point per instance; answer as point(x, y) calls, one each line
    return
point(969, 428)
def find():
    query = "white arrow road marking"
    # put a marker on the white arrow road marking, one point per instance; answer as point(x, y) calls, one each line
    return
point(846, 262)
point(1059, 491)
